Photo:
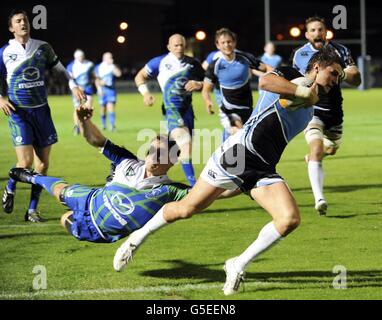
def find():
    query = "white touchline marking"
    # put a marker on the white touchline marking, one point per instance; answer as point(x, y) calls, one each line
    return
point(63, 293)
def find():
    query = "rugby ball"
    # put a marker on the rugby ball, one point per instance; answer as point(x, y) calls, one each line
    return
point(293, 103)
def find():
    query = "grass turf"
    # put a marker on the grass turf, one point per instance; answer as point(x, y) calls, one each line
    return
point(184, 260)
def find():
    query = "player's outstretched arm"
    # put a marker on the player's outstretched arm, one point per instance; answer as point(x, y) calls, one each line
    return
point(77, 92)
point(88, 129)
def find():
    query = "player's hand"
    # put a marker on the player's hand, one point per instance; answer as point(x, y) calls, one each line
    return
point(209, 106)
point(193, 85)
point(313, 96)
point(84, 113)
point(6, 106)
point(148, 99)
point(100, 92)
point(79, 94)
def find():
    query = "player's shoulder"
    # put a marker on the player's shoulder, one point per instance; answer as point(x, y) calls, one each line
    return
point(303, 50)
point(338, 46)
point(287, 72)
point(191, 60)
point(213, 55)
point(70, 65)
point(36, 43)
point(245, 54)
point(3, 49)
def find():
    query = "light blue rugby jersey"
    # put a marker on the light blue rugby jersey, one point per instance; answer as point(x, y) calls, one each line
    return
point(292, 121)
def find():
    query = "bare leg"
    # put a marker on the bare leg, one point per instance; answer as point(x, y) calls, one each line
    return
point(278, 201)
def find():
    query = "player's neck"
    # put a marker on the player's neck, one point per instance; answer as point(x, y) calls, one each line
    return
point(229, 57)
point(22, 39)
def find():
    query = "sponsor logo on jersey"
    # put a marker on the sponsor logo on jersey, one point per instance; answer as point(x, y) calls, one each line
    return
point(130, 172)
point(12, 56)
point(304, 53)
point(168, 66)
point(212, 174)
point(153, 194)
point(119, 206)
point(31, 85)
point(31, 74)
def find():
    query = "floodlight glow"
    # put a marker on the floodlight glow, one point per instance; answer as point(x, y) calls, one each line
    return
point(295, 32)
point(123, 25)
point(121, 39)
point(329, 35)
point(200, 35)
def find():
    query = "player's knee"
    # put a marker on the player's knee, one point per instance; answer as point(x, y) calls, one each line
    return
point(57, 190)
point(331, 151)
point(288, 222)
point(42, 167)
point(186, 211)
point(25, 163)
point(67, 220)
point(312, 134)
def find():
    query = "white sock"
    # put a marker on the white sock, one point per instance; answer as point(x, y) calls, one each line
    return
point(316, 177)
point(267, 237)
point(155, 223)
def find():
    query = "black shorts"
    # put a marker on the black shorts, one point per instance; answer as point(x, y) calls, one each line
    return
point(237, 114)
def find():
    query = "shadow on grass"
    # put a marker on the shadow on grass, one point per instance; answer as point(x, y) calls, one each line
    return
point(347, 216)
point(293, 279)
point(344, 188)
point(337, 157)
point(31, 234)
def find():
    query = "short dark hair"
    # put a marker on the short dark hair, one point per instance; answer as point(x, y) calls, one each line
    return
point(324, 57)
point(172, 148)
point(13, 13)
point(225, 32)
point(314, 19)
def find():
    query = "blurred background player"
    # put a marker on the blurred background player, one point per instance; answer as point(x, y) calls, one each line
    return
point(213, 55)
point(24, 62)
point(105, 73)
point(178, 76)
point(81, 70)
point(324, 132)
point(270, 57)
point(233, 71)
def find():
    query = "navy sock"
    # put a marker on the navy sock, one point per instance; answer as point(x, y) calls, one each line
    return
point(11, 185)
point(35, 197)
